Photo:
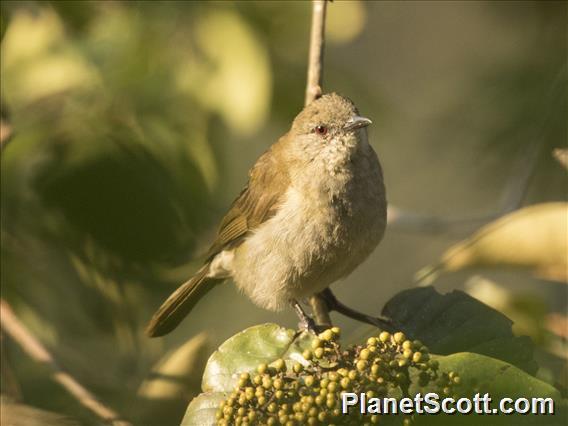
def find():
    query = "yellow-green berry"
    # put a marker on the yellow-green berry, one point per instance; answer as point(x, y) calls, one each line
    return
point(266, 382)
point(279, 364)
point(326, 335)
point(309, 381)
point(399, 337)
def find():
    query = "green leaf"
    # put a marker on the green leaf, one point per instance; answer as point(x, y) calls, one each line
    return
point(246, 350)
point(479, 373)
point(456, 322)
point(201, 411)
point(495, 376)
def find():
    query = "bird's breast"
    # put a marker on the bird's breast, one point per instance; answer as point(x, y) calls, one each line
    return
point(325, 226)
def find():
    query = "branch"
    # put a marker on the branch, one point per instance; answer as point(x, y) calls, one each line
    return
point(314, 91)
point(315, 60)
point(35, 350)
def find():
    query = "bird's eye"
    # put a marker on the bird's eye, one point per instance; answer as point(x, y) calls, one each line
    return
point(321, 130)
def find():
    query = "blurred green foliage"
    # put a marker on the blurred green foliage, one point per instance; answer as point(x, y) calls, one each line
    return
point(134, 124)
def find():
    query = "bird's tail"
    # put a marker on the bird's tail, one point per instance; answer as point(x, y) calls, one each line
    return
point(180, 303)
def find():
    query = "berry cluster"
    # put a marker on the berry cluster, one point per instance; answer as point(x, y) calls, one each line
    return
point(309, 392)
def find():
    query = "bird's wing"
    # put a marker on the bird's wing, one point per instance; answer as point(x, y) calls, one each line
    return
point(257, 202)
point(254, 205)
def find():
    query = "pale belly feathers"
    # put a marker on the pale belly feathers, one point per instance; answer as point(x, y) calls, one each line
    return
point(318, 236)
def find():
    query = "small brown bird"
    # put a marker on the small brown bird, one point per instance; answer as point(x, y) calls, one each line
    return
point(314, 208)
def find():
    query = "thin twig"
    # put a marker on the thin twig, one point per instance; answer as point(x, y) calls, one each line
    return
point(320, 311)
point(314, 91)
point(22, 336)
point(518, 184)
point(315, 60)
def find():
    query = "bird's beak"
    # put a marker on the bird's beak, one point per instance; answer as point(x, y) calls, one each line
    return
point(356, 122)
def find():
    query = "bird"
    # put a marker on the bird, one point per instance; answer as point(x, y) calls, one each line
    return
point(314, 209)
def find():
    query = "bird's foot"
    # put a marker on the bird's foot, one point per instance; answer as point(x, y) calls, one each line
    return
point(306, 323)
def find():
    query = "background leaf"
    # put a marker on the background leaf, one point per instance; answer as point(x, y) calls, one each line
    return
point(14, 414)
point(534, 237)
point(178, 373)
point(456, 322)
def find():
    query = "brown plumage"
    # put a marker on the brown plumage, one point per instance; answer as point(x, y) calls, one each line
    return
point(250, 209)
point(313, 209)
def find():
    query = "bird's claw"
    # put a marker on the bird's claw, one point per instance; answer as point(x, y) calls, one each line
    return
point(307, 324)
